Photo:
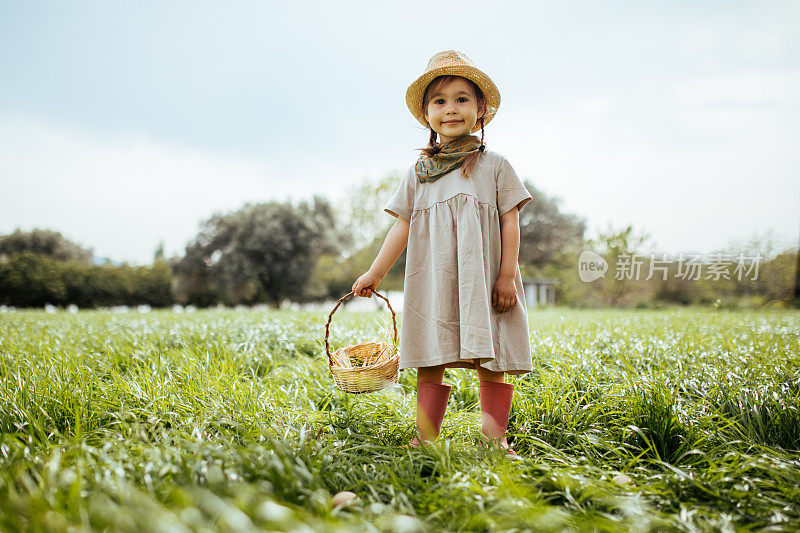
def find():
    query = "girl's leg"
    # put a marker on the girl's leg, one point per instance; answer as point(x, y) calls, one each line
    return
point(485, 374)
point(430, 374)
point(495, 398)
point(432, 398)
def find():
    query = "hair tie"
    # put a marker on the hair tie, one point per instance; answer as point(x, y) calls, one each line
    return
point(482, 147)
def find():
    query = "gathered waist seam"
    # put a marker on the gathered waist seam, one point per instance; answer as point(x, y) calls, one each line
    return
point(454, 196)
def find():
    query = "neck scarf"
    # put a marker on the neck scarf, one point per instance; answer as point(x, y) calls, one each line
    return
point(451, 156)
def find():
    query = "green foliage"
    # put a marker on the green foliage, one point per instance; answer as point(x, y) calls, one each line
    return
point(613, 244)
point(262, 252)
point(229, 421)
point(363, 218)
point(33, 280)
point(769, 283)
point(546, 234)
point(337, 276)
point(43, 242)
point(365, 224)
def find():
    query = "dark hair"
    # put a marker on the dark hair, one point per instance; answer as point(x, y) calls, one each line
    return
point(433, 147)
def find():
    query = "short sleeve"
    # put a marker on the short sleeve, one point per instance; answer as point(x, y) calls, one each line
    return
point(510, 189)
point(402, 203)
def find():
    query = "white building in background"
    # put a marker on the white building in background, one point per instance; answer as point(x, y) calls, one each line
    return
point(540, 291)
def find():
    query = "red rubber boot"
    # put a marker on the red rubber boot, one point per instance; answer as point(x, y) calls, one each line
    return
point(431, 405)
point(495, 410)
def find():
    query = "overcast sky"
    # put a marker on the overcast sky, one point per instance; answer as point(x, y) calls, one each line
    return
point(123, 124)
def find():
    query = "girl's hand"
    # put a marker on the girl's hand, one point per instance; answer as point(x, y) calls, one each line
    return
point(504, 294)
point(366, 284)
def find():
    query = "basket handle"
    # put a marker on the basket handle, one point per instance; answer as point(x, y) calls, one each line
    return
point(330, 316)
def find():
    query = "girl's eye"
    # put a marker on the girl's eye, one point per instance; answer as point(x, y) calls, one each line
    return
point(460, 99)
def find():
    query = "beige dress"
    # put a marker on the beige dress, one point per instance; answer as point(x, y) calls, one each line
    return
point(452, 263)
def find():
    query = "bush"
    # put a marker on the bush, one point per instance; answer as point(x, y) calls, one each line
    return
point(32, 280)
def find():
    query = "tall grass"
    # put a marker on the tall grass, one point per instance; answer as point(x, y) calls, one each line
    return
point(229, 421)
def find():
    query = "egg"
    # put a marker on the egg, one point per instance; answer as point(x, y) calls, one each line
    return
point(343, 498)
point(622, 479)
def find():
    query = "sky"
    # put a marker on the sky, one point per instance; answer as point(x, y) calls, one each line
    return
point(126, 124)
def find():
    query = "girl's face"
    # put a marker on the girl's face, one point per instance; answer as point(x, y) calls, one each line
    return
point(453, 110)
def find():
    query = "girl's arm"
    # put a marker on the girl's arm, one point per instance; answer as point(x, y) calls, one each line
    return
point(394, 244)
point(504, 295)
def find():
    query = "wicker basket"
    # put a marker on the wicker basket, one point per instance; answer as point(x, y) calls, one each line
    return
point(366, 367)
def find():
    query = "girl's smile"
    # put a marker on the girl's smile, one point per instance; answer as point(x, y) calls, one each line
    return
point(453, 111)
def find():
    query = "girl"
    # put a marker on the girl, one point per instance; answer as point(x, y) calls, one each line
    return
point(457, 209)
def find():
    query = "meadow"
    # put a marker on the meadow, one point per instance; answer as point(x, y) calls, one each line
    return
point(223, 420)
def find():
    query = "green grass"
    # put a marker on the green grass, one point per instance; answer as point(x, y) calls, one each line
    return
point(223, 420)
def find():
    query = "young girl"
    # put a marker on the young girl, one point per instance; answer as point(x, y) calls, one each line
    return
point(457, 209)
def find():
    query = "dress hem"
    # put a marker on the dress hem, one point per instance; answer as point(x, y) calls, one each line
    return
point(457, 363)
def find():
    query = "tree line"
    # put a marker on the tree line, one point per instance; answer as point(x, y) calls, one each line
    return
point(273, 252)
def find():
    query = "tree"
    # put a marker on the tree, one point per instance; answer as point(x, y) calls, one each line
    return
point(33, 280)
point(364, 219)
point(364, 226)
point(796, 289)
point(43, 242)
point(158, 255)
point(616, 243)
point(545, 232)
point(335, 278)
point(262, 252)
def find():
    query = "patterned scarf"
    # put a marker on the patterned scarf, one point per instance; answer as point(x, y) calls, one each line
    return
point(451, 156)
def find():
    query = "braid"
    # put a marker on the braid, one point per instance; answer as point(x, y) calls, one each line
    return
point(472, 159)
point(435, 148)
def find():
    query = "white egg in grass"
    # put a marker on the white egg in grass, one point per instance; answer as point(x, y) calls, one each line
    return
point(622, 479)
point(344, 498)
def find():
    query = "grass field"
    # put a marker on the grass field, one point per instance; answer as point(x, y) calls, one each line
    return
point(223, 420)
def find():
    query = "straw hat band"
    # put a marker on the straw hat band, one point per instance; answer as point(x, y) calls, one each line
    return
point(452, 63)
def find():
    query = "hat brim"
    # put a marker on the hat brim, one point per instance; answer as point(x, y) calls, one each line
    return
point(416, 90)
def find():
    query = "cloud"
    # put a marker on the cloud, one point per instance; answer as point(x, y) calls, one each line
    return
point(122, 195)
point(662, 157)
point(747, 91)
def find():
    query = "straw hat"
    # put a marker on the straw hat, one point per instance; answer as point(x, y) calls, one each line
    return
point(455, 63)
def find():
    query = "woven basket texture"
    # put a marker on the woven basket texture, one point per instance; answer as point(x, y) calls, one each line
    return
point(365, 367)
